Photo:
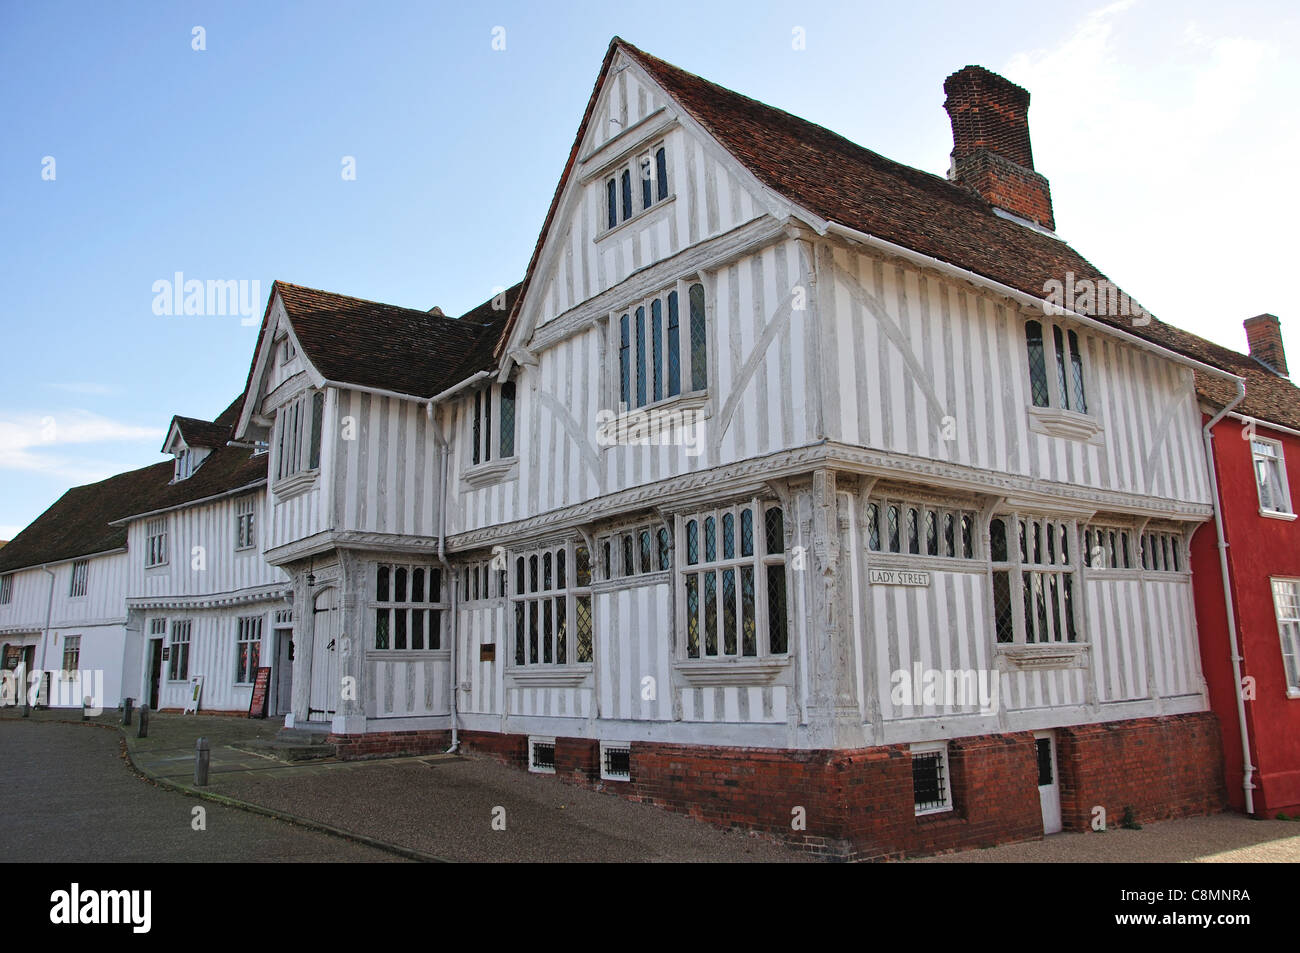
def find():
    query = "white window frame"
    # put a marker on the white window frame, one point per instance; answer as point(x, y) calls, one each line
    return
point(182, 631)
point(1278, 461)
point(79, 584)
point(1286, 605)
point(530, 604)
point(483, 433)
point(299, 428)
point(687, 388)
point(928, 748)
point(479, 582)
point(155, 552)
point(760, 561)
point(533, 742)
point(1110, 548)
point(649, 546)
point(1067, 606)
point(430, 612)
point(248, 631)
point(880, 539)
point(1058, 399)
point(6, 589)
point(245, 523)
point(72, 644)
point(287, 351)
point(643, 166)
point(610, 746)
point(1163, 550)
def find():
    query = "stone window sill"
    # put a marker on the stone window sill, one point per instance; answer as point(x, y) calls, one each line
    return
point(295, 485)
point(1065, 423)
point(1275, 515)
point(550, 676)
point(1043, 655)
point(650, 424)
point(747, 671)
point(639, 216)
point(494, 471)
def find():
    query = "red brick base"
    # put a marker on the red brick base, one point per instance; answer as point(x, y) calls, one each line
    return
point(858, 804)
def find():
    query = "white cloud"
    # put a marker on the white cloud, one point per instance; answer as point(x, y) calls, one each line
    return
point(1168, 146)
point(84, 387)
point(37, 443)
point(9, 532)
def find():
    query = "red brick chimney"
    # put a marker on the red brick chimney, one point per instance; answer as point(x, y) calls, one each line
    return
point(1264, 334)
point(990, 144)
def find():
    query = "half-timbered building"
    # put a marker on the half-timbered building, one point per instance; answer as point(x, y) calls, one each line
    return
point(202, 604)
point(785, 490)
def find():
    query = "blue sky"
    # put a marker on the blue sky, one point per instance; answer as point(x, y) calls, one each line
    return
point(1166, 130)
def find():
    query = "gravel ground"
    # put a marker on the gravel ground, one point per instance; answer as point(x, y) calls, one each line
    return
point(1220, 838)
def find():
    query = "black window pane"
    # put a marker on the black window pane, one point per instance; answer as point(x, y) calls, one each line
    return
point(1045, 773)
point(507, 423)
point(665, 550)
point(1060, 367)
point(640, 357)
point(699, 347)
point(656, 347)
point(777, 640)
point(1037, 363)
point(1004, 623)
point(611, 203)
point(774, 526)
point(627, 194)
point(661, 172)
point(647, 193)
point(674, 347)
point(1076, 365)
point(747, 532)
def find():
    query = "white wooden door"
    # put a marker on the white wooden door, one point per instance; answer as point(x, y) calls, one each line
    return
point(324, 656)
point(1049, 784)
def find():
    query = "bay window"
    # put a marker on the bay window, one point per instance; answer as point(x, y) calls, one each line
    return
point(649, 337)
point(732, 582)
point(1034, 564)
point(407, 607)
point(551, 603)
point(298, 435)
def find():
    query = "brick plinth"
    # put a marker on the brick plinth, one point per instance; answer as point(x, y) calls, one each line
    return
point(858, 804)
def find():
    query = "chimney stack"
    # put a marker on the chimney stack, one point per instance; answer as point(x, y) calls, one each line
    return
point(991, 155)
point(1264, 335)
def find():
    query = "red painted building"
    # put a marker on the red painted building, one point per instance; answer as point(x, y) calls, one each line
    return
point(1256, 463)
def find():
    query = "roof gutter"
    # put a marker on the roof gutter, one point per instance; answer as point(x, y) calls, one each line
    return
point(1039, 304)
point(1261, 422)
point(377, 391)
point(1247, 767)
point(188, 503)
point(60, 562)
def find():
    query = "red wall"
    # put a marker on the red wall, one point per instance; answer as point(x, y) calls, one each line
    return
point(1258, 548)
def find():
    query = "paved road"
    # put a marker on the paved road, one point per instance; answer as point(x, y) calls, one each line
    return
point(66, 795)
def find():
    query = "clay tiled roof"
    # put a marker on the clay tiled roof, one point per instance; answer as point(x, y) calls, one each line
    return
point(840, 181)
point(201, 433)
point(88, 519)
point(366, 343)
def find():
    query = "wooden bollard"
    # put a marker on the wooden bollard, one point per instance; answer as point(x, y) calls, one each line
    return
point(127, 705)
point(202, 754)
point(144, 722)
